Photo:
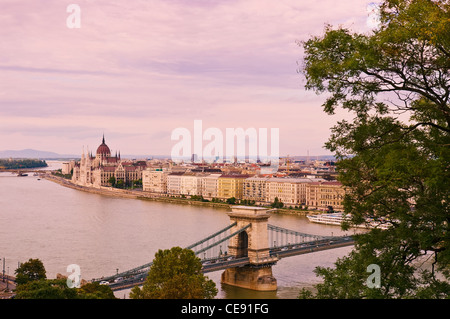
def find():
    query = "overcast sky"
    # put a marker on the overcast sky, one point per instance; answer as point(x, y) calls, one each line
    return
point(136, 70)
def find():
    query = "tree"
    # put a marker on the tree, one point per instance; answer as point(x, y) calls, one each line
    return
point(394, 156)
point(199, 198)
point(32, 283)
point(112, 181)
point(175, 274)
point(120, 184)
point(58, 289)
point(231, 200)
point(248, 202)
point(45, 289)
point(277, 203)
point(138, 183)
point(32, 270)
point(94, 290)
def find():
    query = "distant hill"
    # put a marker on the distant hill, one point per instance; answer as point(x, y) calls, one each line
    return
point(36, 154)
point(30, 153)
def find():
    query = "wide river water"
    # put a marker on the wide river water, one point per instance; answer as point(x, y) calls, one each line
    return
point(103, 235)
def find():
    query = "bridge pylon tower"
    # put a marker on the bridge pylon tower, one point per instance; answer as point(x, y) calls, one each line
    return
point(254, 244)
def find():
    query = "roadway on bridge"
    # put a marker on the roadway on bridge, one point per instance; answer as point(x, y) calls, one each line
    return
point(222, 263)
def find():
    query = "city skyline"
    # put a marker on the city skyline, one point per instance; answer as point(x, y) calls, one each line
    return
point(137, 71)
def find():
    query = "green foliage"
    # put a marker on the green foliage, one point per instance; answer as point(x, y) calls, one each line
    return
point(175, 274)
point(58, 289)
point(22, 163)
point(394, 169)
point(198, 198)
point(95, 291)
point(231, 200)
point(398, 277)
point(60, 174)
point(277, 203)
point(112, 181)
point(32, 284)
point(120, 184)
point(31, 270)
point(45, 289)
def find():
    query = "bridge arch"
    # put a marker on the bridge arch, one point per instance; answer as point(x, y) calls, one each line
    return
point(242, 245)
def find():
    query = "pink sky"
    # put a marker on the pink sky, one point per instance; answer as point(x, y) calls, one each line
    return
point(136, 70)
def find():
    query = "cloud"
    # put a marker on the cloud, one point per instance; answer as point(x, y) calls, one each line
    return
point(142, 68)
point(50, 70)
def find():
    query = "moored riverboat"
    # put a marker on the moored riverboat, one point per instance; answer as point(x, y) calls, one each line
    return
point(338, 218)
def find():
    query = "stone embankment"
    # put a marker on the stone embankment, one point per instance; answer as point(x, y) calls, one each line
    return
point(108, 191)
point(126, 193)
point(139, 194)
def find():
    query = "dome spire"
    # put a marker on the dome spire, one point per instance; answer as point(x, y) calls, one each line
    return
point(103, 150)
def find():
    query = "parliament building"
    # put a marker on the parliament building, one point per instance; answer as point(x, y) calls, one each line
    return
point(96, 171)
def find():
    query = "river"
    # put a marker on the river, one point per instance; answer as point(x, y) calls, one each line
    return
point(103, 234)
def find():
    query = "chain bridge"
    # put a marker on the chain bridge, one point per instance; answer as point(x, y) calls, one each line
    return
point(245, 250)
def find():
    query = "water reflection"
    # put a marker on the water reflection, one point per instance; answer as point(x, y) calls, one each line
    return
point(62, 226)
point(230, 292)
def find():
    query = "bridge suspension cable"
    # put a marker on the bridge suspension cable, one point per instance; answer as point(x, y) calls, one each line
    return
point(223, 239)
point(281, 241)
point(211, 236)
point(279, 237)
point(217, 238)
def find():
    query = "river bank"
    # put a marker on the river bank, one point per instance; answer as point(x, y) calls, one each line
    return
point(109, 234)
point(139, 194)
point(7, 287)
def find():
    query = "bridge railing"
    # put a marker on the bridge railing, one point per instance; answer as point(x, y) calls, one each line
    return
point(209, 249)
point(281, 237)
point(206, 239)
point(210, 246)
point(292, 250)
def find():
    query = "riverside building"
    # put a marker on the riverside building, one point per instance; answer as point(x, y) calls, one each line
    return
point(255, 189)
point(96, 171)
point(325, 194)
point(155, 180)
point(309, 191)
point(231, 186)
point(210, 186)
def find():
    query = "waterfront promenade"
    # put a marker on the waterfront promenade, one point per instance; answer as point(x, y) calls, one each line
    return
point(127, 193)
point(139, 194)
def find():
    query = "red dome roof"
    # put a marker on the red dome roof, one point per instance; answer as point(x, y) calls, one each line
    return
point(103, 149)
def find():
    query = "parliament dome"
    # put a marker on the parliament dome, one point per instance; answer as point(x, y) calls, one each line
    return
point(103, 149)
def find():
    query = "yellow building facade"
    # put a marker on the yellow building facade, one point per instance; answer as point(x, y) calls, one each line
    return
point(231, 186)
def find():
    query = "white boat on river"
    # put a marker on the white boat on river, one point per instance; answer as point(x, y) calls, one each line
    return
point(338, 218)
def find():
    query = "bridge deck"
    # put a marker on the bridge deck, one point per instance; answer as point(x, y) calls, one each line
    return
point(311, 247)
point(222, 263)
